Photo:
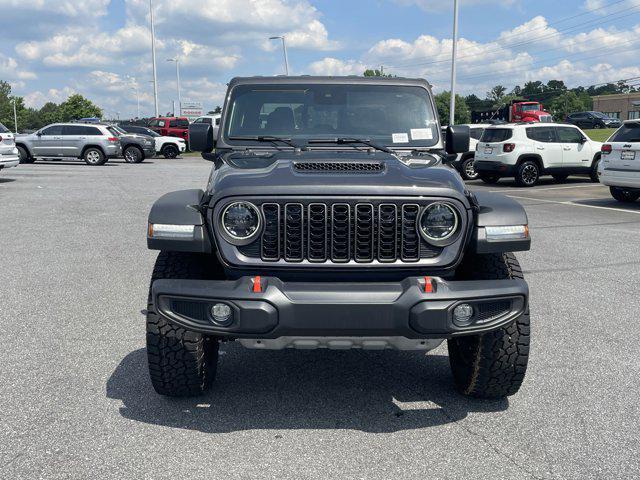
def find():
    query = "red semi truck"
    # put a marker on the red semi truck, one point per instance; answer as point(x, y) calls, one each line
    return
point(517, 111)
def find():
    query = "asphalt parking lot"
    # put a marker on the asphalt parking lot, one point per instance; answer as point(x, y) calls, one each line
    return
point(76, 400)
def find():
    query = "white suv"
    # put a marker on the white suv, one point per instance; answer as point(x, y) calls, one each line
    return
point(620, 165)
point(8, 152)
point(528, 150)
point(464, 161)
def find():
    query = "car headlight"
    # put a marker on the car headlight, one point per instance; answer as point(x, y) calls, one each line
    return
point(241, 222)
point(439, 223)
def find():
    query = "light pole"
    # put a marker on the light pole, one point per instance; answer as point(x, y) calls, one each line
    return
point(153, 59)
point(177, 60)
point(284, 50)
point(452, 106)
point(15, 114)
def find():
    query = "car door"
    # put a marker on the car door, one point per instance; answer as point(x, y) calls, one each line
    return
point(73, 138)
point(576, 152)
point(545, 144)
point(48, 142)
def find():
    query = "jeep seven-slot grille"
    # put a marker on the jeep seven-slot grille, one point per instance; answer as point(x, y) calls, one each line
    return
point(341, 232)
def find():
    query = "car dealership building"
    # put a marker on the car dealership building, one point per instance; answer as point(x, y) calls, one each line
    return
point(623, 106)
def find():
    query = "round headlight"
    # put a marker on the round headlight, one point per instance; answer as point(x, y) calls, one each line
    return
point(241, 221)
point(438, 222)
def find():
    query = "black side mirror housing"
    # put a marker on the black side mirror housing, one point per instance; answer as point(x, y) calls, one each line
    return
point(583, 139)
point(201, 138)
point(457, 139)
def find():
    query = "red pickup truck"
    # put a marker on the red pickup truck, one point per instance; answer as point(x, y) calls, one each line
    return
point(171, 126)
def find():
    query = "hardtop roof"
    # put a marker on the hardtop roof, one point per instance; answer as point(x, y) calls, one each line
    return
point(337, 80)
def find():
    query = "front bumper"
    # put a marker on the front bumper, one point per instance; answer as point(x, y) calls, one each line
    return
point(321, 310)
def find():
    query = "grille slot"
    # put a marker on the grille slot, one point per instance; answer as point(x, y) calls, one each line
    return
point(340, 232)
point(490, 310)
point(293, 232)
point(339, 167)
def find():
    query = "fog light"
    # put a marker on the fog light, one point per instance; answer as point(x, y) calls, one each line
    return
point(222, 314)
point(462, 314)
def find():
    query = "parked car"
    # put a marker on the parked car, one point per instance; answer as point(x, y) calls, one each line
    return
point(338, 228)
point(464, 161)
point(171, 127)
point(527, 151)
point(592, 120)
point(620, 165)
point(9, 156)
point(213, 120)
point(95, 144)
point(169, 147)
point(135, 147)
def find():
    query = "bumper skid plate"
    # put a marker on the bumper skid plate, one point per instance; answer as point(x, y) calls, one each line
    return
point(334, 311)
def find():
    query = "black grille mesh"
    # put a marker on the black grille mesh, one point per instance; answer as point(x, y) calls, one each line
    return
point(339, 167)
point(490, 310)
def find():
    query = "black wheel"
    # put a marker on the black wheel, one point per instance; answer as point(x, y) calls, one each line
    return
point(170, 151)
point(623, 195)
point(593, 173)
point(560, 178)
point(133, 154)
point(527, 174)
point(181, 362)
point(24, 155)
point(490, 179)
point(598, 126)
point(467, 169)
point(491, 365)
point(94, 156)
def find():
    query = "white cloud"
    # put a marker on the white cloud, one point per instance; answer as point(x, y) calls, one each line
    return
point(37, 99)
point(438, 5)
point(69, 8)
point(10, 70)
point(333, 66)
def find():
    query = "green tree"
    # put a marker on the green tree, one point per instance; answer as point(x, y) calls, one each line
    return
point(375, 73)
point(77, 106)
point(566, 103)
point(532, 89)
point(462, 113)
point(496, 93)
point(556, 86)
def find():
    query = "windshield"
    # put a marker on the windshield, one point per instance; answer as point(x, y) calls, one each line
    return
point(530, 107)
point(151, 133)
point(397, 116)
point(629, 132)
point(599, 114)
point(3, 129)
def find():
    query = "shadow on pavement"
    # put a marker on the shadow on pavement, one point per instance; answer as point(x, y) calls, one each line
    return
point(542, 182)
point(7, 180)
point(609, 203)
point(374, 392)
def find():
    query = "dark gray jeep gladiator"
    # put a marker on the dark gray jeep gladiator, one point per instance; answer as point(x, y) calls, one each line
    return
point(331, 219)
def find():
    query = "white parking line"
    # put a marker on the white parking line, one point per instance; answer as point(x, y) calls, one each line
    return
point(547, 188)
point(637, 212)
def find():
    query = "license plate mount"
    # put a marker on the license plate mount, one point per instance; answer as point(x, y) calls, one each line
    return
point(628, 155)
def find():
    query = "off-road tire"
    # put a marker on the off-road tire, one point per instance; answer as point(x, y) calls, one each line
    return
point(24, 155)
point(467, 167)
point(170, 151)
point(623, 195)
point(491, 365)
point(527, 174)
point(560, 177)
point(593, 173)
point(182, 363)
point(489, 179)
point(94, 156)
point(133, 154)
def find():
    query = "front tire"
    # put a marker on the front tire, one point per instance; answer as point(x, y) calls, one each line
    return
point(94, 157)
point(527, 174)
point(182, 363)
point(24, 155)
point(467, 169)
point(170, 151)
point(133, 154)
point(593, 173)
point(623, 195)
point(491, 365)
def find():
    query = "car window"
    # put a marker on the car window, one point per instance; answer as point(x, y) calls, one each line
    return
point(180, 123)
point(475, 133)
point(629, 132)
point(207, 120)
point(52, 130)
point(161, 123)
point(568, 135)
point(217, 121)
point(198, 120)
point(541, 134)
point(496, 135)
point(3, 129)
point(154, 123)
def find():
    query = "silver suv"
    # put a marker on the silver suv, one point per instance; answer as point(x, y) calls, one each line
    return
point(95, 144)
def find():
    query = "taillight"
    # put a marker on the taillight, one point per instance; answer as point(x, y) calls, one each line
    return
point(113, 139)
point(508, 147)
point(606, 149)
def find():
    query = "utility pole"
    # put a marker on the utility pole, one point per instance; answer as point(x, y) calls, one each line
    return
point(284, 49)
point(452, 106)
point(153, 59)
point(15, 114)
point(177, 60)
point(382, 70)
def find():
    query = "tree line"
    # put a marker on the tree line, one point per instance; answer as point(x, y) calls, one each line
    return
point(73, 108)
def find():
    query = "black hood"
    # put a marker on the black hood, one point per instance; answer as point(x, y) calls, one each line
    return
point(330, 172)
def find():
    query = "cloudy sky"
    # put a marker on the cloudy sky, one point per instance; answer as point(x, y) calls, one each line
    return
point(101, 48)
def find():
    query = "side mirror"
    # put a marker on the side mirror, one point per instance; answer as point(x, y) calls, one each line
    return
point(583, 139)
point(201, 138)
point(38, 133)
point(457, 139)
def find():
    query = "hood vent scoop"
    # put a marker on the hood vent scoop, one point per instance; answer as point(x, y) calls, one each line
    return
point(339, 167)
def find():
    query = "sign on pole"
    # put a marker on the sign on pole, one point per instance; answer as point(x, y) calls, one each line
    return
point(191, 110)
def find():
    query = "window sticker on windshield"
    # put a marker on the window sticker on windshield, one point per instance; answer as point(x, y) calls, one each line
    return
point(421, 134)
point(400, 138)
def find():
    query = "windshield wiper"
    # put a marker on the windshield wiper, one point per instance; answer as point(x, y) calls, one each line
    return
point(349, 140)
point(266, 138)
